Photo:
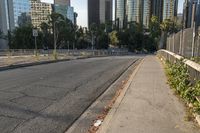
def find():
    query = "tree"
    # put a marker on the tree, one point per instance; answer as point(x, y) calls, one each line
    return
point(114, 38)
point(169, 26)
point(154, 27)
point(47, 36)
point(21, 38)
point(155, 31)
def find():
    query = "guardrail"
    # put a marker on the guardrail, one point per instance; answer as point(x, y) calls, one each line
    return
point(19, 52)
point(193, 67)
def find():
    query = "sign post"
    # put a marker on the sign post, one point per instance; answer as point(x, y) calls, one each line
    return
point(35, 34)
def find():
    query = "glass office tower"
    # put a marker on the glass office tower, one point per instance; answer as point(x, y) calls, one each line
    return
point(120, 12)
point(157, 9)
point(21, 9)
point(4, 22)
point(170, 8)
point(133, 10)
point(146, 12)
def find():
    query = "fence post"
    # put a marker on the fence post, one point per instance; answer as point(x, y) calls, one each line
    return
point(198, 42)
point(181, 41)
point(174, 43)
point(193, 41)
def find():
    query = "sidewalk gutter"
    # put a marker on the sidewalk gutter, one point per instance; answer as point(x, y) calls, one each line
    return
point(108, 118)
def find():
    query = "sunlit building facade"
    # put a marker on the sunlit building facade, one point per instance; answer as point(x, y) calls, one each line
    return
point(146, 13)
point(39, 12)
point(120, 12)
point(134, 10)
point(170, 8)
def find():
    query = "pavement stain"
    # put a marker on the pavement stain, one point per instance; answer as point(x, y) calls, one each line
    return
point(102, 116)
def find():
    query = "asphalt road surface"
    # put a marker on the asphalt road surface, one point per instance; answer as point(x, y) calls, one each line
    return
point(49, 98)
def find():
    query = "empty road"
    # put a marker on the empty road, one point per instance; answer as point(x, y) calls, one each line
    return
point(48, 98)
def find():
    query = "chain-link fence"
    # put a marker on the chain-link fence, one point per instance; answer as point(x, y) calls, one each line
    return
point(185, 43)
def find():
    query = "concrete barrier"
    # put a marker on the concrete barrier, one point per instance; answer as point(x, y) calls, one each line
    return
point(193, 67)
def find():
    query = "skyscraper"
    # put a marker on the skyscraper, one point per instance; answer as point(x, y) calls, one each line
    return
point(157, 9)
point(170, 8)
point(198, 14)
point(19, 10)
point(120, 12)
point(99, 11)
point(93, 12)
point(4, 22)
point(191, 12)
point(133, 10)
point(146, 13)
point(64, 8)
point(62, 2)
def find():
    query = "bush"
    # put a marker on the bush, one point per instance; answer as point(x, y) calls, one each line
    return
point(179, 80)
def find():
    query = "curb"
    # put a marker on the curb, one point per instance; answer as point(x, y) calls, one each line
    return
point(105, 125)
point(43, 63)
point(31, 64)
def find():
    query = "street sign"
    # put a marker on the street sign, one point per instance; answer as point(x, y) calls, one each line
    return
point(35, 32)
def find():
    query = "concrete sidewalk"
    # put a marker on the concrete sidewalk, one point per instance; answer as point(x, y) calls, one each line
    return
point(149, 105)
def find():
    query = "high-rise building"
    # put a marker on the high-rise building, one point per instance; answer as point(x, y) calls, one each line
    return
point(4, 22)
point(93, 12)
point(39, 12)
point(170, 8)
point(157, 9)
point(63, 7)
point(65, 10)
point(99, 11)
point(13, 13)
point(19, 12)
point(120, 12)
point(191, 12)
point(133, 10)
point(198, 14)
point(70, 14)
point(62, 2)
point(146, 13)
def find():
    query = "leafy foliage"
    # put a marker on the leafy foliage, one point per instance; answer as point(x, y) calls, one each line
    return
point(135, 39)
point(113, 38)
point(179, 80)
point(169, 26)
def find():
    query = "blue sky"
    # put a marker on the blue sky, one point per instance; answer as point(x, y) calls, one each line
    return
point(80, 6)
